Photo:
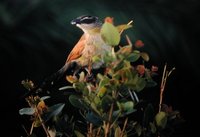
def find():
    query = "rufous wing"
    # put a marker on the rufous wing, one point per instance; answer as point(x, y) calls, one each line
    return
point(77, 50)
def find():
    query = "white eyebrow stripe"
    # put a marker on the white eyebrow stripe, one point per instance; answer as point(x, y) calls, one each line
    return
point(86, 18)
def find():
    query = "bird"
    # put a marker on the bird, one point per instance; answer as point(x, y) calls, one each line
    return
point(89, 45)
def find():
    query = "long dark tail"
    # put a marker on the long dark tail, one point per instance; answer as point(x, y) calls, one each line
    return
point(52, 79)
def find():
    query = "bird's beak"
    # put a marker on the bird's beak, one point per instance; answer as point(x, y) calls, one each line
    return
point(75, 21)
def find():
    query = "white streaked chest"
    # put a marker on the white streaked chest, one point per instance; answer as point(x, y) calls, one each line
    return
point(94, 45)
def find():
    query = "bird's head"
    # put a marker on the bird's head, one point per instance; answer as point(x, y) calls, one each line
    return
point(87, 22)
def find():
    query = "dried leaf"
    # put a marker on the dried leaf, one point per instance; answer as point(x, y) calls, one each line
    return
point(71, 79)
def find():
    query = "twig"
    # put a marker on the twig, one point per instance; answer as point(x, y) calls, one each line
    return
point(128, 40)
point(90, 130)
point(42, 122)
point(25, 130)
point(98, 132)
point(107, 128)
point(125, 123)
point(32, 126)
point(165, 75)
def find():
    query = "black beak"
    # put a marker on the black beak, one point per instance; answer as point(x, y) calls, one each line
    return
point(75, 21)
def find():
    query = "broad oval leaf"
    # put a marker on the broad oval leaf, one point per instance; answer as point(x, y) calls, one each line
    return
point(141, 83)
point(127, 106)
point(106, 102)
point(94, 119)
point(133, 56)
point(110, 34)
point(26, 111)
point(77, 102)
point(161, 119)
point(150, 83)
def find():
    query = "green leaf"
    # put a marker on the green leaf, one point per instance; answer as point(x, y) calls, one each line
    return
point(127, 106)
point(103, 82)
point(26, 111)
point(145, 56)
point(79, 86)
point(148, 115)
point(119, 66)
point(54, 110)
point(133, 56)
point(106, 102)
point(76, 101)
point(150, 83)
point(94, 119)
point(132, 80)
point(94, 108)
point(110, 34)
point(140, 85)
point(161, 119)
point(78, 134)
point(108, 58)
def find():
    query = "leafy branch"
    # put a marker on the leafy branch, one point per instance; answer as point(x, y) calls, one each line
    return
point(108, 103)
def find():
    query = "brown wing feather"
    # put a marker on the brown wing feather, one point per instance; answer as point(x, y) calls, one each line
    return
point(77, 50)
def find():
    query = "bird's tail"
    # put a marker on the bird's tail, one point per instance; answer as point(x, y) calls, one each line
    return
point(52, 79)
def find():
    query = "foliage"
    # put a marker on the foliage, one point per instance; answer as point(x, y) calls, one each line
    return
point(107, 101)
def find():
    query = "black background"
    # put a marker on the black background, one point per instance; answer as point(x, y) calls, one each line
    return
point(36, 37)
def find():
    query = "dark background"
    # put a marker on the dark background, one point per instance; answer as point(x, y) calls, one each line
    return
point(36, 37)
